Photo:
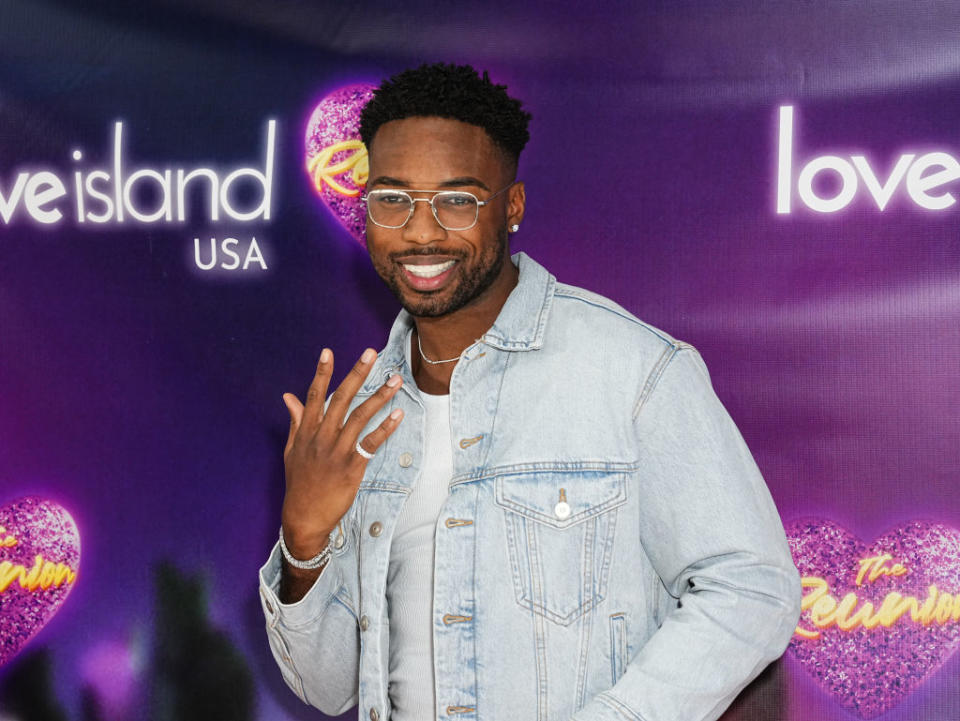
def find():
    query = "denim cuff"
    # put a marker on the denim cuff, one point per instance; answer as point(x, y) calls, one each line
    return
point(314, 602)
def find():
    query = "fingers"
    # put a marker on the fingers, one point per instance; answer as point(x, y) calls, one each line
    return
point(362, 414)
point(317, 393)
point(373, 440)
point(296, 416)
point(348, 388)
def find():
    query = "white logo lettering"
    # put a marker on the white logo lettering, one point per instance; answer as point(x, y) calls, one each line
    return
point(920, 176)
point(115, 195)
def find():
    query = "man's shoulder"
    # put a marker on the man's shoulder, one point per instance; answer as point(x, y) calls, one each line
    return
point(596, 314)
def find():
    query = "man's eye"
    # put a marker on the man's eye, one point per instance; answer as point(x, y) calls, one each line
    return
point(391, 199)
point(458, 201)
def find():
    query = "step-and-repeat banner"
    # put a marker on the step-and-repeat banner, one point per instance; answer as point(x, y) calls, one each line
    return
point(181, 233)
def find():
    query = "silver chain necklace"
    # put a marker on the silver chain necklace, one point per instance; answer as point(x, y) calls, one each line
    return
point(433, 362)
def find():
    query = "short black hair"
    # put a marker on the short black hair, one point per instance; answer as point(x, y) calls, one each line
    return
point(449, 91)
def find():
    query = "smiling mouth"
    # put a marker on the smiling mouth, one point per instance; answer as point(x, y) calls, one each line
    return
point(428, 271)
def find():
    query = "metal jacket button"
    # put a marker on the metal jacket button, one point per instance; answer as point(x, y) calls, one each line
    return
point(364, 622)
point(406, 460)
point(449, 618)
point(374, 715)
point(451, 522)
point(338, 541)
point(562, 510)
point(375, 528)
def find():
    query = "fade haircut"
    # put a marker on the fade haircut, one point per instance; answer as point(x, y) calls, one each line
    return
point(449, 91)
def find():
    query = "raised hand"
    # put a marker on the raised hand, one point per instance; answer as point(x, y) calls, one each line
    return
point(322, 466)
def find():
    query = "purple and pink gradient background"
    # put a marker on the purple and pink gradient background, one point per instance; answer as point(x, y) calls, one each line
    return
point(144, 395)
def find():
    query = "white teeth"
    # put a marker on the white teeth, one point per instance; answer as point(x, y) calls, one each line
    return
point(429, 271)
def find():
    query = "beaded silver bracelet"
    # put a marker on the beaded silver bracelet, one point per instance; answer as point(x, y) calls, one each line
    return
point(310, 563)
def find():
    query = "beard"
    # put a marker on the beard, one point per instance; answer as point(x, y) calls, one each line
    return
point(469, 282)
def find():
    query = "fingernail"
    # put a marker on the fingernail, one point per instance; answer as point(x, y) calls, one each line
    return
point(395, 414)
point(325, 355)
point(393, 380)
point(368, 355)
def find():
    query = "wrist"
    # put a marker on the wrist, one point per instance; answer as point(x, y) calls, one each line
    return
point(305, 550)
point(307, 557)
point(294, 574)
point(302, 545)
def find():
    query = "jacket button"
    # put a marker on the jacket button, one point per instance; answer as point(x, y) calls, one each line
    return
point(269, 607)
point(374, 715)
point(375, 528)
point(338, 541)
point(406, 460)
point(364, 622)
point(562, 510)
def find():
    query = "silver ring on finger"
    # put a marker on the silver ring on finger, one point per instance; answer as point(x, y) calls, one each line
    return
point(366, 454)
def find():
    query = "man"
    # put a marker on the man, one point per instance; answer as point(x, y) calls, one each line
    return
point(530, 505)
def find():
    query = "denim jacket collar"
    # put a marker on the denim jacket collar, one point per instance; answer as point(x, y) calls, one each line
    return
point(519, 326)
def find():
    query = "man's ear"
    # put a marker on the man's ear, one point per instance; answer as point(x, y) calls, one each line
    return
point(516, 203)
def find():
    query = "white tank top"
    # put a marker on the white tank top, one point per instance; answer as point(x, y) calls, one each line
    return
point(410, 576)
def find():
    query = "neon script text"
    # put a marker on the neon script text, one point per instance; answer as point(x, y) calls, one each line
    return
point(43, 575)
point(826, 611)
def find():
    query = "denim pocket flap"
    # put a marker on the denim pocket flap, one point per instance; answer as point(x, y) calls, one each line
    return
point(561, 498)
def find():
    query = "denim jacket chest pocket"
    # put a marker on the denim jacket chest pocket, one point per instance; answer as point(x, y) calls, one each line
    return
point(560, 527)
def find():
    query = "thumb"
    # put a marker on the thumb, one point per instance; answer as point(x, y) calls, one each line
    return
point(295, 409)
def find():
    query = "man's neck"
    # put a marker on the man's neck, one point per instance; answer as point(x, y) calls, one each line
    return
point(445, 337)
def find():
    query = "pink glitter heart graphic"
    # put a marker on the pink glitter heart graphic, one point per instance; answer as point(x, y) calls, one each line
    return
point(39, 558)
point(336, 159)
point(878, 619)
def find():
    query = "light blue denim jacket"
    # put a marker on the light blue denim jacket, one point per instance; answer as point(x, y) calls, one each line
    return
point(608, 549)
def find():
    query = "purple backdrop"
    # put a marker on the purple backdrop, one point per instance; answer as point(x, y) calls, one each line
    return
point(143, 394)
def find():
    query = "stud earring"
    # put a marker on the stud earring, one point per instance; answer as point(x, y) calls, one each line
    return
point(514, 228)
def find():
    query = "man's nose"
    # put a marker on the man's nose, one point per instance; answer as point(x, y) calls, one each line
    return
point(423, 226)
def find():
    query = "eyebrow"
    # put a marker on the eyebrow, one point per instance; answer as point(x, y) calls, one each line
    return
point(464, 181)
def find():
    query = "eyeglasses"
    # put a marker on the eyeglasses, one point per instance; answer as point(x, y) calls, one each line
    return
point(453, 209)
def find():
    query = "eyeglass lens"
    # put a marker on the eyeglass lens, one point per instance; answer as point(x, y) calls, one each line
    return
point(453, 210)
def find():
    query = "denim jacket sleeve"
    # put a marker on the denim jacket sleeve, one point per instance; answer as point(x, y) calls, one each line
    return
point(315, 641)
point(713, 534)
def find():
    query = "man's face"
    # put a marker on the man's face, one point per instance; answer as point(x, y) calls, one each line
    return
point(431, 270)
